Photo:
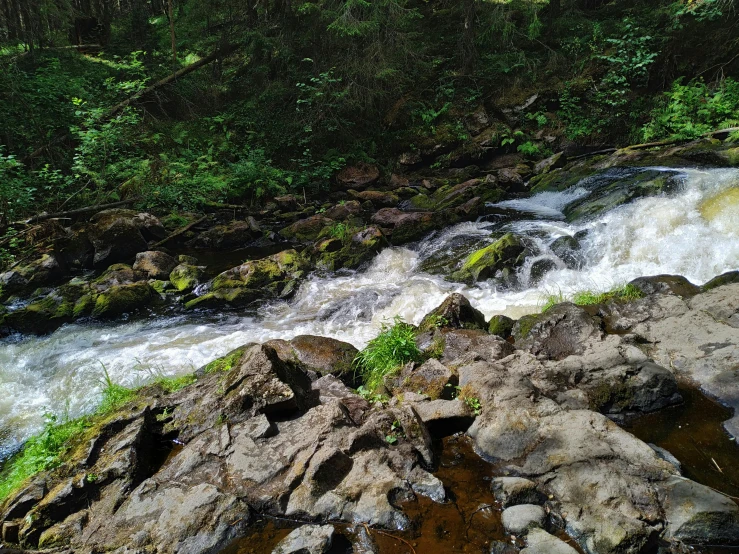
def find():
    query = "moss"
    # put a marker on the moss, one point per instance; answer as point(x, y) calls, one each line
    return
point(482, 264)
point(122, 299)
point(523, 326)
point(225, 297)
point(225, 363)
point(173, 384)
point(725, 279)
point(501, 326)
point(84, 305)
point(185, 277)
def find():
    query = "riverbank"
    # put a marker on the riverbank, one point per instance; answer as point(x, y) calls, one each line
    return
point(289, 439)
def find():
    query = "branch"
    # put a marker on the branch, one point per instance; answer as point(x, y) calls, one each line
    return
point(78, 211)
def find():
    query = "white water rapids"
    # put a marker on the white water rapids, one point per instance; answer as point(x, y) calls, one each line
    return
point(692, 232)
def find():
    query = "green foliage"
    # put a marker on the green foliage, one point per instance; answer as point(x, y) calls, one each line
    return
point(693, 109)
point(46, 450)
point(339, 231)
point(473, 403)
point(625, 293)
point(173, 384)
point(387, 353)
point(372, 397)
point(41, 452)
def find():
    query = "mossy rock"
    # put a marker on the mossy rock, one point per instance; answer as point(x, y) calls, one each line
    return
point(62, 305)
point(508, 252)
point(558, 179)
point(272, 273)
point(501, 326)
point(523, 326)
point(727, 278)
point(621, 191)
point(352, 252)
point(224, 298)
point(186, 277)
point(123, 299)
point(224, 363)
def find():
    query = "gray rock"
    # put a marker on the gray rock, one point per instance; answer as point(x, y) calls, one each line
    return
point(308, 539)
point(511, 491)
point(498, 547)
point(443, 410)
point(696, 514)
point(455, 312)
point(666, 456)
point(541, 542)
point(156, 265)
point(431, 378)
point(517, 520)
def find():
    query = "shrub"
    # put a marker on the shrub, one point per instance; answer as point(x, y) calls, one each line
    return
point(387, 353)
point(691, 110)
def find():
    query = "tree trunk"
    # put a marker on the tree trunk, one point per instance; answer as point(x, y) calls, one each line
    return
point(171, 30)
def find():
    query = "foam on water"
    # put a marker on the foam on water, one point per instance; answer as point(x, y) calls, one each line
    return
point(666, 234)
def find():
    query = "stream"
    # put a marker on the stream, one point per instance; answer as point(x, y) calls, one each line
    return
point(692, 231)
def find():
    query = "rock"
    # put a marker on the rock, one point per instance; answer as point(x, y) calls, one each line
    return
point(455, 312)
point(186, 277)
point(156, 265)
point(505, 254)
point(359, 177)
point(501, 326)
point(666, 456)
point(557, 333)
point(122, 299)
point(518, 519)
point(431, 379)
point(512, 491)
point(308, 539)
point(403, 226)
point(552, 162)
point(232, 236)
point(307, 229)
point(43, 271)
point(378, 198)
point(540, 542)
point(117, 236)
point(567, 249)
point(325, 356)
point(498, 547)
point(615, 187)
point(350, 252)
point(665, 284)
point(343, 210)
point(725, 279)
point(444, 411)
point(696, 514)
point(286, 203)
point(271, 277)
point(487, 347)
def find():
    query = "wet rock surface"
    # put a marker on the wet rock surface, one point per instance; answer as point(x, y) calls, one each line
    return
point(265, 434)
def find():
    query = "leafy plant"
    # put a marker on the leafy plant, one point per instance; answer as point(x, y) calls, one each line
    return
point(387, 353)
point(693, 109)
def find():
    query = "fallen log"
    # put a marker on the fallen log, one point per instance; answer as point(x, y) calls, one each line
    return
point(78, 211)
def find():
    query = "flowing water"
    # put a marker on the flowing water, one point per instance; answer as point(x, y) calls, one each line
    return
point(693, 231)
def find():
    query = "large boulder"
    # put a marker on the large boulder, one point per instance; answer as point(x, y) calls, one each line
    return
point(358, 177)
point(234, 235)
point(43, 271)
point(118, 235)
point(319, 355)
point(272, 277)
point(499, 259)
point(255, 438)
point(455, 312)
point(156, 265)
point(307, 229)
point(405, 227)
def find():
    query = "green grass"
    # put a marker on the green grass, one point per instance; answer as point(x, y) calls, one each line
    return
point(41, 452)
point(46, 450)
point(625, 293)
point(387, 353)
point(225, 363)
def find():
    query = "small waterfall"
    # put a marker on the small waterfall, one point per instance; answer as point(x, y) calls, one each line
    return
point(693, 231)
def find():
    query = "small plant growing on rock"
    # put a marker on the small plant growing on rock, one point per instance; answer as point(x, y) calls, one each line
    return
point(387, 353)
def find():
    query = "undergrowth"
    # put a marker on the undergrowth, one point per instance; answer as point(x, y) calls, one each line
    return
point(387, 353)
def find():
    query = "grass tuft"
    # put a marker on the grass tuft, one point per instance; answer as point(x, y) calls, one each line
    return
point(625, 293)
point(387, 353)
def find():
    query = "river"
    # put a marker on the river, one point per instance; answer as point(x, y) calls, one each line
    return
point(692, 231)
